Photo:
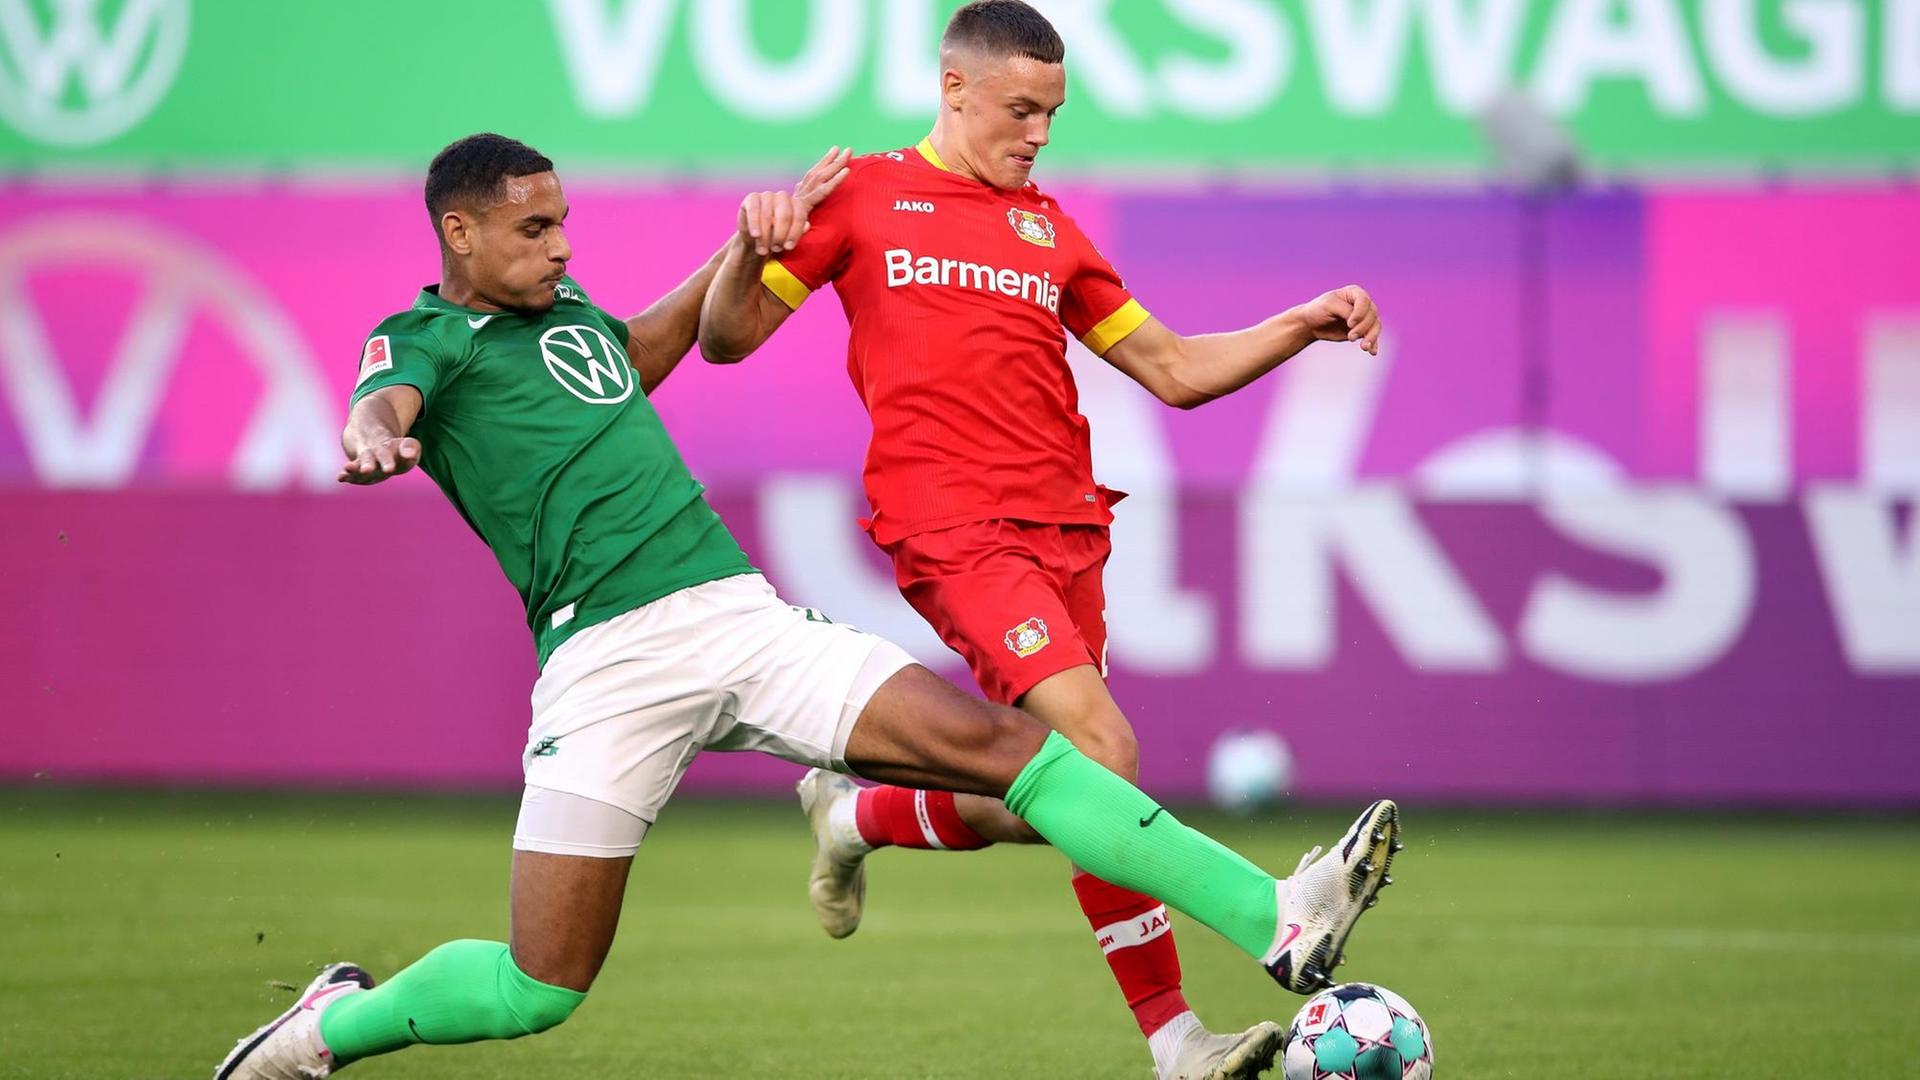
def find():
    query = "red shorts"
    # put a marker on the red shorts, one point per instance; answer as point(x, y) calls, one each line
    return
point(1019, 601)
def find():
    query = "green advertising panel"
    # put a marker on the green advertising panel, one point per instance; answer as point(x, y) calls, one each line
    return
point(1161, 86)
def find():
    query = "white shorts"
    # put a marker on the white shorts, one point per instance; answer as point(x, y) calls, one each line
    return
point(621, 708)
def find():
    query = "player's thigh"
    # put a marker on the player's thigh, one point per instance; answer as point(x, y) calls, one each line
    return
point(919, 730)
point(1076, 701)
point(565, 909)
point(793, 681)
point(992, 593)
point(620, 711)
point(808, 690)
point(1077, 704)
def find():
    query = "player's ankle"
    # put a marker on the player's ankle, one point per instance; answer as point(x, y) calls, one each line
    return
point(1163, 1008)
point(1164, 1041)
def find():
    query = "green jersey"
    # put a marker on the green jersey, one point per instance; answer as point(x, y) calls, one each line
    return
point(535, 430)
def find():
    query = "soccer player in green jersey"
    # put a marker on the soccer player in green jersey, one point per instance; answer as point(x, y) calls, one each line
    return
point(527, 405)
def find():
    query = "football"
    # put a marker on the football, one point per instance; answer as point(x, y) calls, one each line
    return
point(1357, 1031)
point(1248, 769)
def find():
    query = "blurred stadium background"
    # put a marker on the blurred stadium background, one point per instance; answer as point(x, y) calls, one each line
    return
point(1622, 518)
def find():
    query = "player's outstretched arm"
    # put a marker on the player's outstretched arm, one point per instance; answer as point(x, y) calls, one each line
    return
point(1186, 372)
point(375, 439)
point(660, 336)
point(740, 314)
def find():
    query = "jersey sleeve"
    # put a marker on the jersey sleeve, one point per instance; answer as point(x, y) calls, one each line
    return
point(1096, 306)
point(821, 254)
point(616, 326)
point(401, 356)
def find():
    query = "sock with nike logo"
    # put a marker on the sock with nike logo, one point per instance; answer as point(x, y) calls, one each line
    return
point(1112, 830)
point(463, 991)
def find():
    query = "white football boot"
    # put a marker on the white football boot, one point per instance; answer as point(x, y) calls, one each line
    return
point(289, 1048)
point(1326, 895)
point(1200, 1054)
point(838, 884)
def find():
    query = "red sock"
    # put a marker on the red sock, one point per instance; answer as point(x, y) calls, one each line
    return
point(1133, 930)
point(904, 817)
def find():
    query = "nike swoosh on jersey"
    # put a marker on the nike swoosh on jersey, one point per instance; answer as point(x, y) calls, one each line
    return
point(480, 322)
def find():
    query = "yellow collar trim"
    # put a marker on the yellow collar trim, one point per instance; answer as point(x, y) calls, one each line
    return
point(927, 151)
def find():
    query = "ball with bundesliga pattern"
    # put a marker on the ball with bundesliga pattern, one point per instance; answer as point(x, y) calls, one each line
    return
point(1357, 1031)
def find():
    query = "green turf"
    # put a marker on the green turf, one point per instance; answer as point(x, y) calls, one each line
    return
point(140, 933)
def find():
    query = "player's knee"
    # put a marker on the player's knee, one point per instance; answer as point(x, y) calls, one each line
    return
point(1002, 740)
point(1100, 730)
point(548, 1011)
point(1112, 745)
point(538, 1006)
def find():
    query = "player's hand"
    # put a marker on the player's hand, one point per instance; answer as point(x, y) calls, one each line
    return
point(825, 175)
point(771, 222)
point(1345, 314)
point(386, 458)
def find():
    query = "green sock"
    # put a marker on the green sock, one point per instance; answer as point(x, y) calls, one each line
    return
point(463, 991)
point(1112, 830)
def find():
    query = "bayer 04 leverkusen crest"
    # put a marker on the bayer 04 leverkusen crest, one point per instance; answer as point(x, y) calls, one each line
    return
point(1028, 638)
point(1031, 227)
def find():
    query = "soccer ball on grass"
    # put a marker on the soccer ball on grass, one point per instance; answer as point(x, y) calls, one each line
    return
point(1357, 1031)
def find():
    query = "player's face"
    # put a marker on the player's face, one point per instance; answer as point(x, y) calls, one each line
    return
point(519, 245)
point(1006, 108)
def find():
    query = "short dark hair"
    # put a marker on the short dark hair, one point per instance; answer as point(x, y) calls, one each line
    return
point(472, 170)
point(1004, 28)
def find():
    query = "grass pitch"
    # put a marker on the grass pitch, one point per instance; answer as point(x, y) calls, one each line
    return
point(141, 932)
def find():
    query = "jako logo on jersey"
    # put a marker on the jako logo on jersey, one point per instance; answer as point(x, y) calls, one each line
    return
point(1031, 227)
point(588, 364)
point(903, 268)
point(95, 71)
point(913, 206)
point(377, 357)
point(1028, 638)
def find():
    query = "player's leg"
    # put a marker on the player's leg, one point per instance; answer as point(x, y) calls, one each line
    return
point(1133, 930)
point(996, 593)
point(1025, 605)
point(829, 696)
point(919, 730)
point(833, 697)
point(618, 714)
point(564, 912)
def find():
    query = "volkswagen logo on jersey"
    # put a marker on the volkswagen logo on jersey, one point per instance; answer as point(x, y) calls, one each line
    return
point(588, 364)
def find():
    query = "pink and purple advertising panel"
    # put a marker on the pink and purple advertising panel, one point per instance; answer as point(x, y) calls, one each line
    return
point(1623, 513)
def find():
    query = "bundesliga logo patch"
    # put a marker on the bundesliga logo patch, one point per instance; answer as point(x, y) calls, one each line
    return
point(1028, 638)
point(376, 358)
point(1031, 227)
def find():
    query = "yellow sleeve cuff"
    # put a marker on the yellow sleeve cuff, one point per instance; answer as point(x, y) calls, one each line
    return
point(1114, 328)
point(791, 290)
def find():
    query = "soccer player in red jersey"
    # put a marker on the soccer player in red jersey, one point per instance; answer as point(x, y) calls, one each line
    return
point(960, 279)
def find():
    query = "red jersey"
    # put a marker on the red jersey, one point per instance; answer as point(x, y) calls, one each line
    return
point(959, 297)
